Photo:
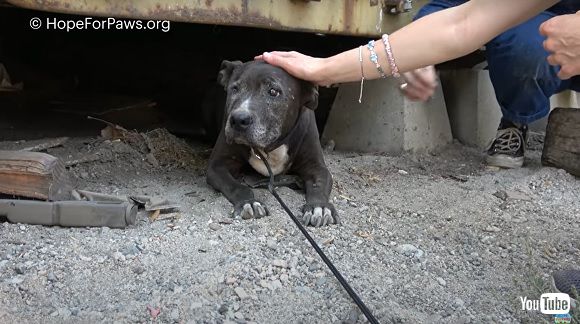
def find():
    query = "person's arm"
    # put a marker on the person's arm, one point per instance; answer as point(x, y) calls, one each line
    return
point(433, 39)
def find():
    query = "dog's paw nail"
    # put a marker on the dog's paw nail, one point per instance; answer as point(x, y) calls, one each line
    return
point(307, 217)
point(317, 217)
point(327, 218)
point(247, 212)
point(260, 211)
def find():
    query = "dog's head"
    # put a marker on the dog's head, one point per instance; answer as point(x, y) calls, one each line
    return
point(263, 102)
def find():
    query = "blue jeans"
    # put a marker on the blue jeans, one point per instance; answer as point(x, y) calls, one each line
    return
point(521, 77)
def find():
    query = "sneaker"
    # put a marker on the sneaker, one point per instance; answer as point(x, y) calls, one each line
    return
point(567, 282)
point(509, 146)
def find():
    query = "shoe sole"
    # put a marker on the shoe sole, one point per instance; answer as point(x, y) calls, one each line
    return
point(504, 161)
point(573, 302)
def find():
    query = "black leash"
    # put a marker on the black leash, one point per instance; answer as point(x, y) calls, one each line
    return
point(361, 305)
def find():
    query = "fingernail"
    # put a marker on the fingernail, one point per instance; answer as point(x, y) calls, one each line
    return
point(266, 54)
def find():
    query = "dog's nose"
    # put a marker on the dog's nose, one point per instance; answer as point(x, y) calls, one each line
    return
point(241, 120)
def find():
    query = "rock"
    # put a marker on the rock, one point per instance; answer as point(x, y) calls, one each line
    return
point(130, 250)
point(280, 263)
point(138, 270)
point(441, 281)
point(407, 249)
point(230, 280)
point(118, 256)
point(501, 194)
point(223, 308)
point(19, 269)
point(492, 229)
point(516, 195)
point(51, 277)
point(284, 277)
point(459, 303)
point(174, 315)
point(403, 172)
point(352, 316)
point(14, 280)
point(241, 293)
point(215, 226)
point(275, 284)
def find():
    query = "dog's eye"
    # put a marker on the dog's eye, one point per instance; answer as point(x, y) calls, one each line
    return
point(234, 89)
point(274, 92)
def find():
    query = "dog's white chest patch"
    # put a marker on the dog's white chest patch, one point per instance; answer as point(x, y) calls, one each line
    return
point(278, 160)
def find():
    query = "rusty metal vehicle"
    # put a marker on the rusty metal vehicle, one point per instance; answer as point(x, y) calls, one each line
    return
point(348, 17)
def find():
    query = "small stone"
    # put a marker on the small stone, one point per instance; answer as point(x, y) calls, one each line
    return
point(84, 175)
point(280, 263)
point(118, 256)
point(239, 315)
point(241, 293)
point(230, 280)
point(14, 280)
point(516, 195)
point(195, 305)
point(223, 309)
point(352, 316)
point(284, 277)
point(19, 269)
point(138, 270)
point(275, 284)
point(215, 226)
point(51, 277)
point(492, 229)
point(441, 281)
point(406, 249)
point(459, 303)
point(174, 315)
point(403, 172)
point(363, 209)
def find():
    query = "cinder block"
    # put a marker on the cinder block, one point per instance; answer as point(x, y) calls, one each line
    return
point(473, 110)
point(385, 121)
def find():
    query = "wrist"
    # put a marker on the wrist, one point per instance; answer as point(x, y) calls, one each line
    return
point(322, 72)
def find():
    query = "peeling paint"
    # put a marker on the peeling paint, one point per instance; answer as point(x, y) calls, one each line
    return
point(348, 17)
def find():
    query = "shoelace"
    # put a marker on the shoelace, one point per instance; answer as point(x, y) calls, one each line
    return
point(508, 140)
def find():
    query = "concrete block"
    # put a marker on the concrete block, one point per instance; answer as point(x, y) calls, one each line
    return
point(385, 121)
point(473, 110)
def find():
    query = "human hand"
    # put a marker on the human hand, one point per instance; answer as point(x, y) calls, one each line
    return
point(420, 83)
point(299, 65)
point(563, 42)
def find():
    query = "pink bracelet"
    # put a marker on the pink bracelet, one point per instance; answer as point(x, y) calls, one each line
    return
point(390, 57)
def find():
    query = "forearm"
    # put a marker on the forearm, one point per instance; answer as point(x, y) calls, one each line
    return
point(436, 38)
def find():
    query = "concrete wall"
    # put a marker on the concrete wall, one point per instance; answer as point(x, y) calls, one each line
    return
point(385, 121)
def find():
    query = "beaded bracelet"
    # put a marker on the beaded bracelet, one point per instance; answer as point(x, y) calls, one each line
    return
point(390, 57)
point(375, 58)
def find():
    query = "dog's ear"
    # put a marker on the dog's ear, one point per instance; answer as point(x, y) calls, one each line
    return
point(310, 95)
point(226, 70)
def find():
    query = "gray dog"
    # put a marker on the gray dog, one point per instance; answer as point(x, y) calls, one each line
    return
point(270, 111)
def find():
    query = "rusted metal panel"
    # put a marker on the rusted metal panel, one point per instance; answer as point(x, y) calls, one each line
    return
point(348, 17)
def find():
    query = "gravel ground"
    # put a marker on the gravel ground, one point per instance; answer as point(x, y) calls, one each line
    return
point(426, 238)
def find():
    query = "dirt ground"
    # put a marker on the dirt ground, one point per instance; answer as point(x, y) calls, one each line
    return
point(425, 238)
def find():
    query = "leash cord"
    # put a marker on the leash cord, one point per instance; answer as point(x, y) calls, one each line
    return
point(361, 305)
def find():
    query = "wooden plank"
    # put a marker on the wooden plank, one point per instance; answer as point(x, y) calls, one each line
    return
point(33, 175)
point(562, 142)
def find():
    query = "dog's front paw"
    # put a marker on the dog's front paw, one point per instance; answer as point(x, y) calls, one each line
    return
point(248, 209)
point(319, 214)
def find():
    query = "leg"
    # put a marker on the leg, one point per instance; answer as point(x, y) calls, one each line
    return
point(223, 165)
point(522, 78)
point(318, 211)
point(523, 82)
